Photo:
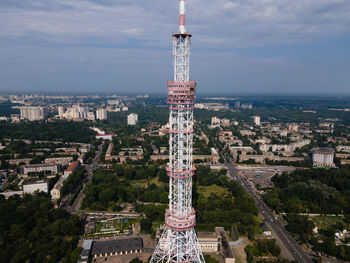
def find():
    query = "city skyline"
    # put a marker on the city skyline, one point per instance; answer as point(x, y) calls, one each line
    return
point(113, 46)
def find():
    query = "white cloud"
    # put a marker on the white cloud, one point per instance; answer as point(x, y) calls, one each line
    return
point(219, 23)
point(103, 43)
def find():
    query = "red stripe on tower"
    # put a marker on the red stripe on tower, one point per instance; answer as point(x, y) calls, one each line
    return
point(182, 20)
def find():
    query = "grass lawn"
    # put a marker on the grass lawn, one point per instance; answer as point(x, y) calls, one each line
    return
point(206, 191)
point(143, 182)
point(138, 183)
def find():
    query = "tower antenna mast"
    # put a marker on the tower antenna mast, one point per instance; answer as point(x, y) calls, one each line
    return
point(178, 242)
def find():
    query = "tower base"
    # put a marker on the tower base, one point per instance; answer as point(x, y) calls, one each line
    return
point(178, 246)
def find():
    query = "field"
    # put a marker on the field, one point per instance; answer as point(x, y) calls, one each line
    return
point(144, 182)
point(206, 191)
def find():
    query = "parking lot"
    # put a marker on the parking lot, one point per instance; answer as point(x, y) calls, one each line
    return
point(261, 175)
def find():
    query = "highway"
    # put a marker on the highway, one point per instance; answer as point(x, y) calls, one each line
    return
point(290, 243)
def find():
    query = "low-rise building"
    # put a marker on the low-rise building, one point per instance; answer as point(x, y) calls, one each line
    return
point(225, 133)
point(247, 133)
point(38, 186)
point(284, 147)
point(155, 149)
point(262, 158)
point(243, 149)
point(266, 231)
point(72, 168)
point(214, 151)
point(343, 148)
point(84, 148)
point(8, 194)
point(345, 162)
point(131, 151)
point(85, 253)
point(56, 190)
point(293, 127)
point(108, 136)
point(209, 241)
point(116, 247)
point(59, 160)
point(19, 161)
point(225, 122)
point(109, 151)
point(37, 168)
point(82, 158)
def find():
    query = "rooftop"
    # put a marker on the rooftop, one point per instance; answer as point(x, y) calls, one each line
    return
point(107, 134)
point(40, 165)
point(118, 245)
point(265, 228)
point(72, 166)
point(206, 235)
point(87, 244)
point(323, 150)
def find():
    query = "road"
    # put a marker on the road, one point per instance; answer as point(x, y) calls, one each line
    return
point(290, 243)
point(89, 172)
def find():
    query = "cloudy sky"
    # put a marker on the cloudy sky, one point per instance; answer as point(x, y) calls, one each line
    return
point(238, 46)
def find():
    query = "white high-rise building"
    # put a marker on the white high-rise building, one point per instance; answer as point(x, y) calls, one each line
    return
point(133, 119)
point(60, 110)
point(78, 112)
point(101, 114)
point(323, 157)
point(91, 116)
point(257, 120)
point(32, 113)
point(215, 121)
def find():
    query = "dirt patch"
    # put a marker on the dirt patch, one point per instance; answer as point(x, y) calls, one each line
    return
point(238, 250)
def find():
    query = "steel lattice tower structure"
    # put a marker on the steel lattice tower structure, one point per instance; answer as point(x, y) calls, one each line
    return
point(178, 242)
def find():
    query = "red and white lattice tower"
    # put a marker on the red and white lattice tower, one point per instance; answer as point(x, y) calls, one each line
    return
point(178, 242)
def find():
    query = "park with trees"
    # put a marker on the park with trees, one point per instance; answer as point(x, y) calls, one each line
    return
point(315, 191)
point(32, 230)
